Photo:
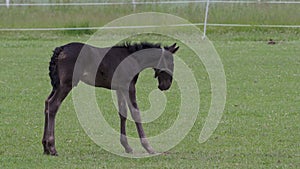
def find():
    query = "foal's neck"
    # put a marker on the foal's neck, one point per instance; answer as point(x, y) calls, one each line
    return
point(149, 57)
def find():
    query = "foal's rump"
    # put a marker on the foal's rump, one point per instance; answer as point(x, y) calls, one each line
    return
point(62, 64)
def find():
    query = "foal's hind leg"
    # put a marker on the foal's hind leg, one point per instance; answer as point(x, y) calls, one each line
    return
point(46, 150)
point(135, 113)
point(53, 104)
point(123, 118)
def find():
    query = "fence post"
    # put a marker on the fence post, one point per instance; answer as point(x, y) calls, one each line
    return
point(205, 19)
point(7, 3)
point(134, 5)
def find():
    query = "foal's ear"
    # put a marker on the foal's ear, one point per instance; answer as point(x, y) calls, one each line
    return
point(155, 72)
point(173, 48)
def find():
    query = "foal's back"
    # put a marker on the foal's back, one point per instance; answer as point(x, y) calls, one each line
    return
point(92, 65)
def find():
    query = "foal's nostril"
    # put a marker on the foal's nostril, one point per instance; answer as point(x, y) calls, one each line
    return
point(164, 86)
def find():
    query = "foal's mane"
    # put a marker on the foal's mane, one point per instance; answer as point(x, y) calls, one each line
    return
point(133, 47)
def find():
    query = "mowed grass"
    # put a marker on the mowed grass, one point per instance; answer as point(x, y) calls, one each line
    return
point(259, 128)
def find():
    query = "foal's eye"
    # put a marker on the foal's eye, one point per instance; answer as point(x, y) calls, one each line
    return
point(156, 74)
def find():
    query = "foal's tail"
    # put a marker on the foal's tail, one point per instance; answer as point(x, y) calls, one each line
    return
point(53, 68)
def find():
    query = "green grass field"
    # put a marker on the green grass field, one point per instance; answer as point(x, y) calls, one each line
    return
point(259, 128)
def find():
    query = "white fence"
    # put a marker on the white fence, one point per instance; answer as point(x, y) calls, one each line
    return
point(134, 3)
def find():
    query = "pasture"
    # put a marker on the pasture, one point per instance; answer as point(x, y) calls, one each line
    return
point(259, 128)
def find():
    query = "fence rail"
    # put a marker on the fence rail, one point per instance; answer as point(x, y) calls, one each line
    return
point(148, 26)
point(7, 4)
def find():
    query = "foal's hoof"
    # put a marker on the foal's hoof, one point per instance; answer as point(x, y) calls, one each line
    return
point(129, 150)
point(151, 151)
point(46, 152)
point(54, 154)
point(50, 153)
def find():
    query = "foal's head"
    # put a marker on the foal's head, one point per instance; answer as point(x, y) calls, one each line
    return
point(164, 73)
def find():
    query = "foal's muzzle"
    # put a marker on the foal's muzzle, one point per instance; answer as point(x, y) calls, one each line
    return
point(165, 85)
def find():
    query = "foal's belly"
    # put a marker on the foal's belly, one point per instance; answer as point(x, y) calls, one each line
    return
point(97, 81)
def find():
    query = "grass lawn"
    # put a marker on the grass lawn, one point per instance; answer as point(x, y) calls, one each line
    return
point(259, 128)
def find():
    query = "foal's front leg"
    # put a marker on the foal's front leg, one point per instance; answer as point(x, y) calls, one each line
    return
point(135, 113)
point(123, 118)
